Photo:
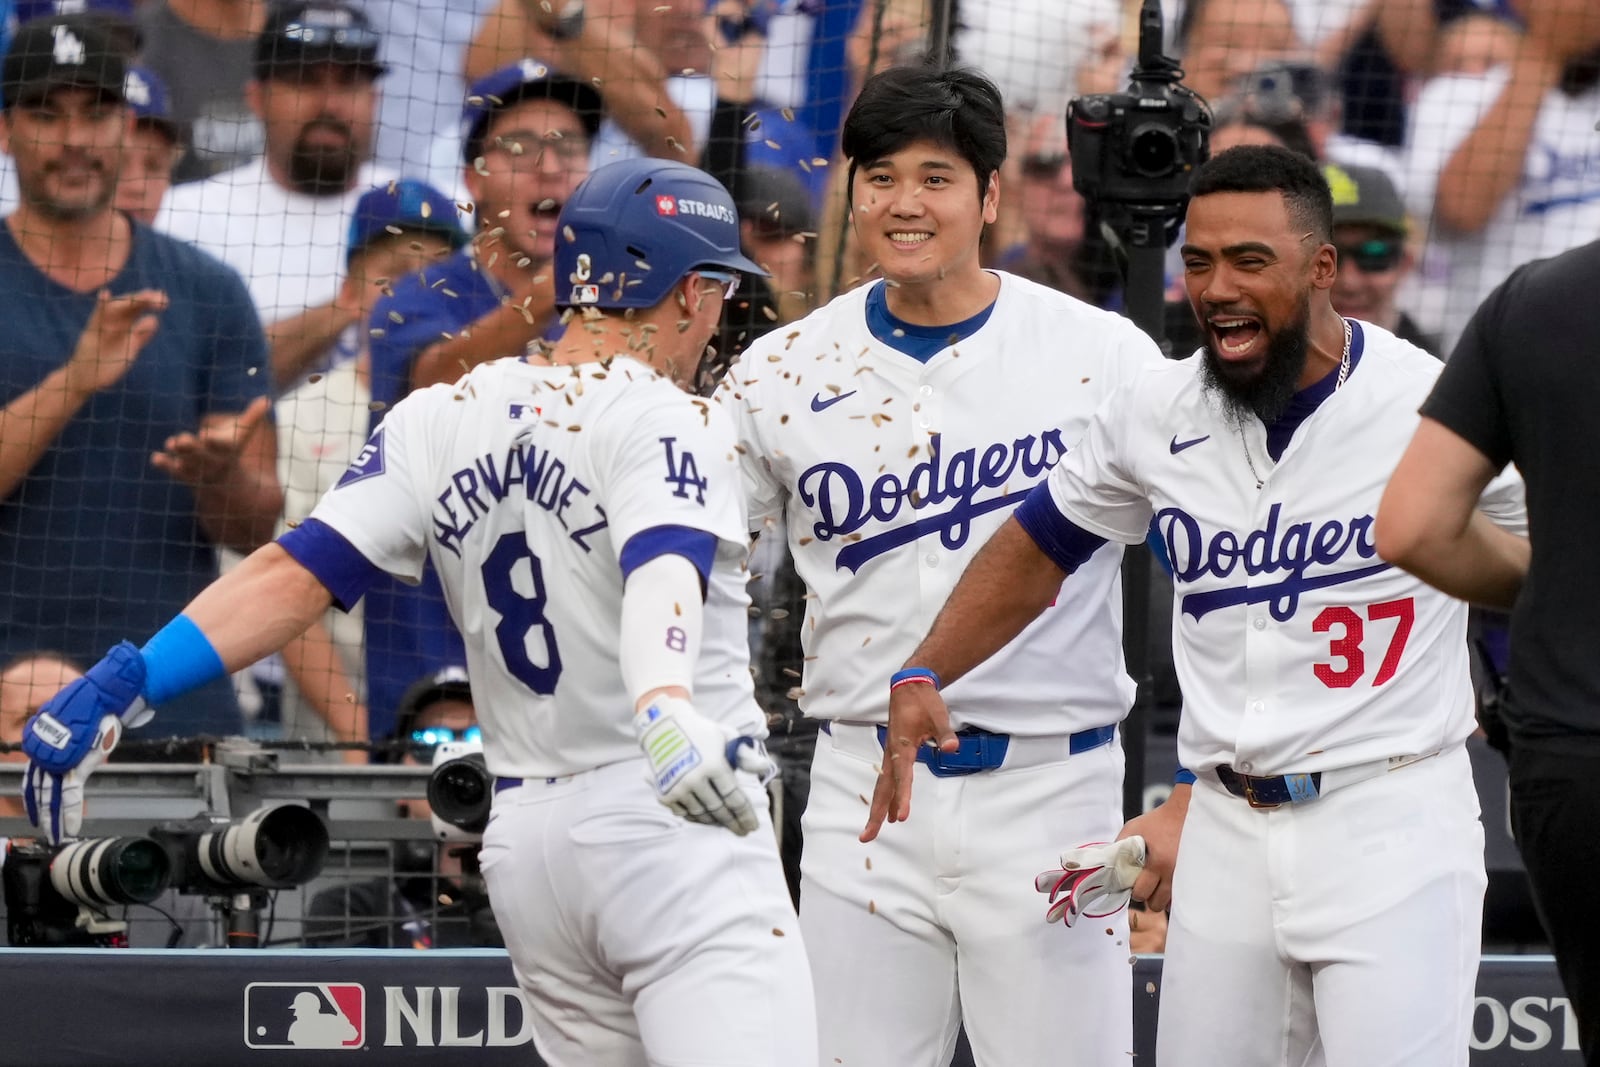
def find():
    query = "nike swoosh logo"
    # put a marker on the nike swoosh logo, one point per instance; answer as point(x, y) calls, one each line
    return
point(1178, 446)
point(819, 404)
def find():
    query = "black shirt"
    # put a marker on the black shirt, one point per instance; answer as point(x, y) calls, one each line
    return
point(1523, 386)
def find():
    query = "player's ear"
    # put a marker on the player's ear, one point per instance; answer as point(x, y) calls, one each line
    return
point(991, 199)
point(1324, 265)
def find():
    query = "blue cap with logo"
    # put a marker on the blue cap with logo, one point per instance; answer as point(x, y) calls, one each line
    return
point(403, 206)
point(526, 79)
point(635, 227)
point(147, 97)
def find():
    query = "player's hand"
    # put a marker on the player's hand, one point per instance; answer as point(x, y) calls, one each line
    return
point(211, 454)
point(917, 716)
point(693, 764)
point(1161, 829)
point(118, 329)
point(73, 733)
point(1093, 880)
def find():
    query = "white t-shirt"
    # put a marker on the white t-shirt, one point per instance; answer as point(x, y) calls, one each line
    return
point(1555, 206)
point(889, 474)
point(322, 426)
point(523, 484)
point(1297, 648)
point(1033, 49)
point(289, 247)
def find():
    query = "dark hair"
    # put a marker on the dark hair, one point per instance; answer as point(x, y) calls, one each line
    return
point(1270, 169)
point(1289, 130)
point(959, 109)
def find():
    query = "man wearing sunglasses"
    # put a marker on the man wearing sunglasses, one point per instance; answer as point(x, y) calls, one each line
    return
point(1370, 231)
point(435, 897)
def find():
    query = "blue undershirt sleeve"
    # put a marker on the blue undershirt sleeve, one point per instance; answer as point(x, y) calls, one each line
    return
point(335, 562)
point(697, 546)
point(1064, 541)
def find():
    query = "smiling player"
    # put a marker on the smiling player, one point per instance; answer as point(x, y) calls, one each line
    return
point(1329, 889)
point(891, 432)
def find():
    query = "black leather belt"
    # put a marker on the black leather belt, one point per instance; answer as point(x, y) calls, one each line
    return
point(1274, 791)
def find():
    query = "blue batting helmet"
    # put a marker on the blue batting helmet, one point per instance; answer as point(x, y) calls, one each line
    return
point(634, 228)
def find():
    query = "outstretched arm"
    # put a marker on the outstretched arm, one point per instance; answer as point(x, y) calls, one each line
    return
point(1006, 586)
point(1429, 523)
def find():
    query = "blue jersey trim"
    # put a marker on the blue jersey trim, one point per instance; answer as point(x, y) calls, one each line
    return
point(1307, 400)
point(335, 562)
point(1064, 541)
point(921, 343)
point(178, 659)
point(697, 546)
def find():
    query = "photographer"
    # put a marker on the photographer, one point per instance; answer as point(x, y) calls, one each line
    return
point(435, 898)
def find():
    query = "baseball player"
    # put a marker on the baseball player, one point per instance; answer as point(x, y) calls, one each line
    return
point(891, 431)
point(1328, 894)
point(583, 512)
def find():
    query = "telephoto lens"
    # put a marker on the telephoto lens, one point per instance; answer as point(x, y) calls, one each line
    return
point(103, 872)
point(272, 848)
point(460, 790)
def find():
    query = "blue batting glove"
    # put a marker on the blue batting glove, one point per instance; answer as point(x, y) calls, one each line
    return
point(74, 732)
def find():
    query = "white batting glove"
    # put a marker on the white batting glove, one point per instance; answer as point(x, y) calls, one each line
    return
point(1093, 881)
point(693, 762)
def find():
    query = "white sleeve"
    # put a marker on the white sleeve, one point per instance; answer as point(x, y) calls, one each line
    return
point(670, 462)
point(1504, 501)
point(1094, 485)
point(1446, 112)
point(662, 623)
point(763, 492)
point(376, 504)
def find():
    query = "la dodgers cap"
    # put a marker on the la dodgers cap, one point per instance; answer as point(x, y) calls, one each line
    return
point(399, 207)
point(527, 79)
point(147, 98)
point(304, 32)
point(1365, 196)
point(61, 52)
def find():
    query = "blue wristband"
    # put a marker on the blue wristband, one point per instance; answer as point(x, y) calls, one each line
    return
point(1184, 777)
point(177, 659)
point(915, 674)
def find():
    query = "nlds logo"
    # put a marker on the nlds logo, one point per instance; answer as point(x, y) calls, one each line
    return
point(328, 1015)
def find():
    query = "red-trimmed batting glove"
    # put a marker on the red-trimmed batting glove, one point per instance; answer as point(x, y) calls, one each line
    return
point(1093, 881)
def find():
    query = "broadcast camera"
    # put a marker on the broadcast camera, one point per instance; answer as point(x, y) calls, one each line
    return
point(1138, 147)
point(61, 895)
point(460, 789)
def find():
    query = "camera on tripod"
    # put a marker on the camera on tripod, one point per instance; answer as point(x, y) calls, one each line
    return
point(460, 790)
point(61, 895)
point(1138, 147)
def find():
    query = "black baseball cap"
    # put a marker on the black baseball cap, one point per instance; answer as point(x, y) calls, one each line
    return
point(447, 683)
point(1365, 196)
point(305, 32)
point(64, 52)
point(526, 79)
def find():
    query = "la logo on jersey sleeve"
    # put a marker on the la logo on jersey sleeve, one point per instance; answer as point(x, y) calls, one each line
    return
point(369, 464)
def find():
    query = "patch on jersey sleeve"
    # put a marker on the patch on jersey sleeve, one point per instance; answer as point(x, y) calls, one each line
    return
point(369, 464)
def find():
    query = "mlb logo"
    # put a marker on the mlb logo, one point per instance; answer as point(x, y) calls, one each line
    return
point(329, 1015)
point(666, 205)
point(585, 294)
point(522, 412)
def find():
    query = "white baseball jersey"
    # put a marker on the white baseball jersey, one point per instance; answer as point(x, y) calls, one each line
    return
point(1298, 649)
point(523, 483)
point(890, 474)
